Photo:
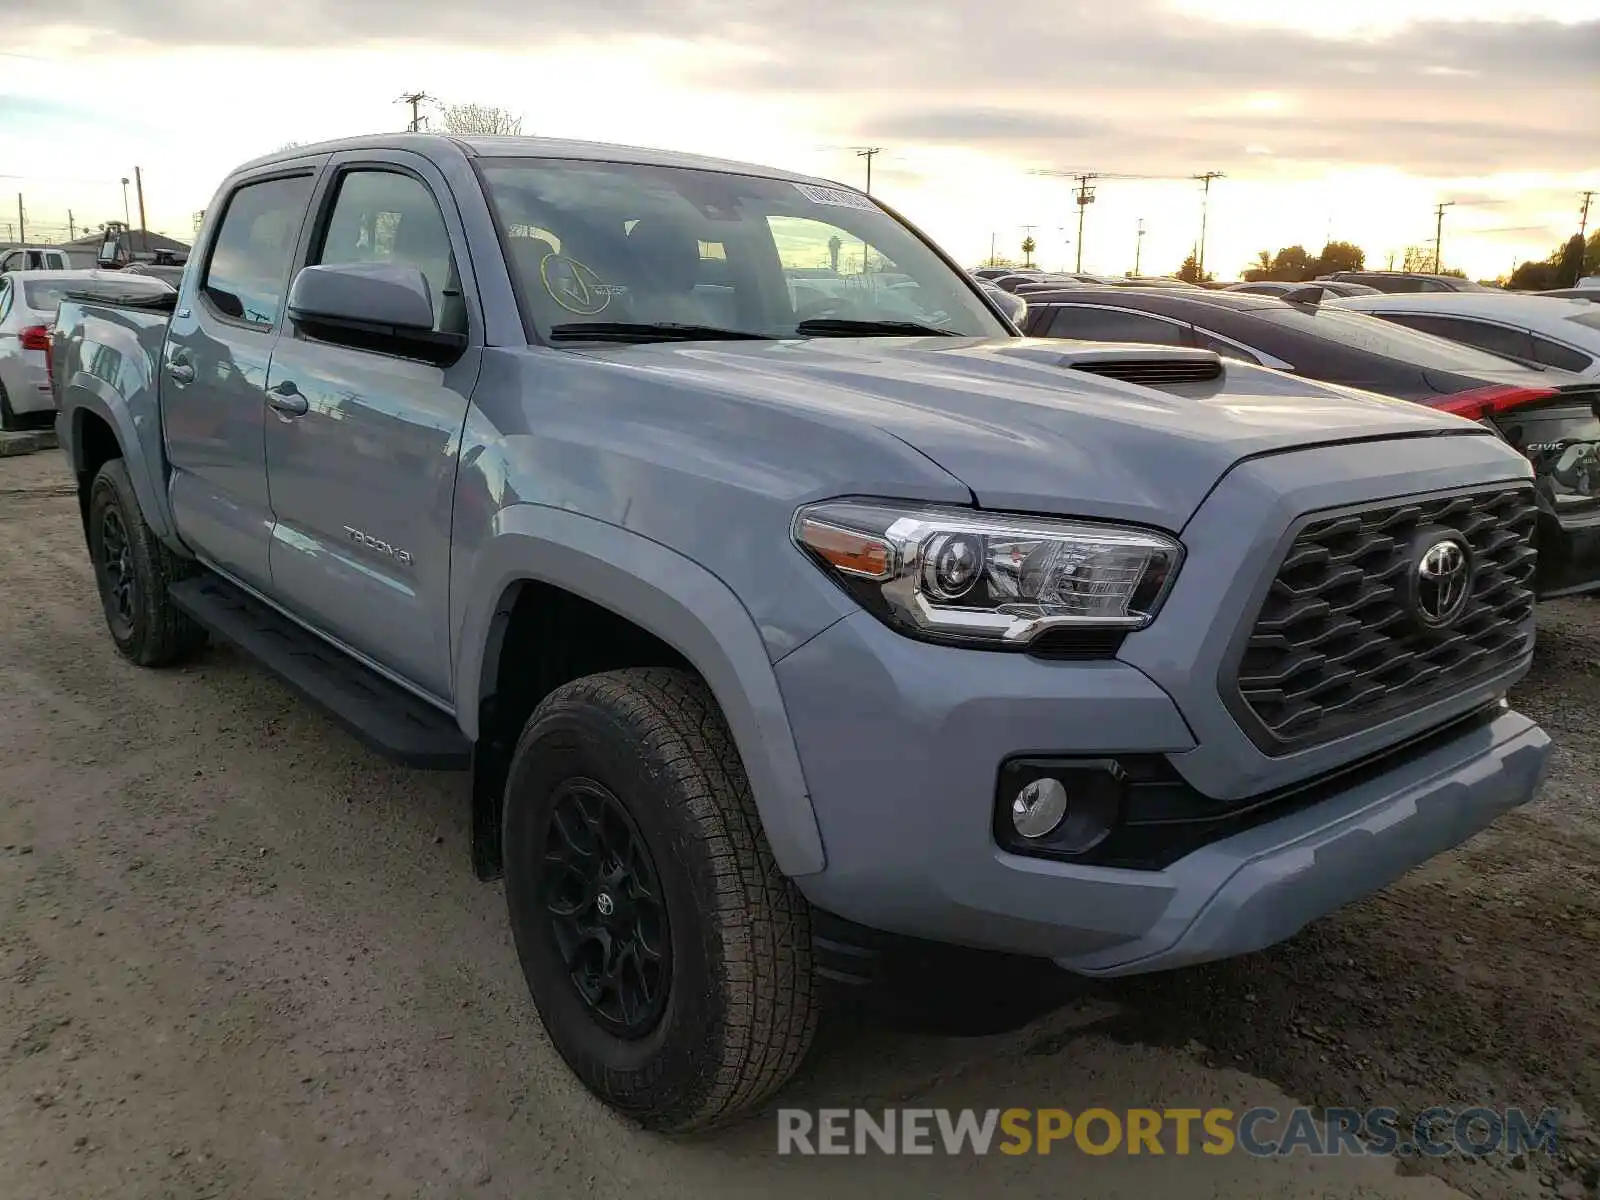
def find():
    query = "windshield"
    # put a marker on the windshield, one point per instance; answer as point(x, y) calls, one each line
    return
point(1374, 335)
point(594, 242)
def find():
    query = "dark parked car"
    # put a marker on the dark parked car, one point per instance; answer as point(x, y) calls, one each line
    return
point(1277, 287)
point(1404, 281)
point(1548, 415)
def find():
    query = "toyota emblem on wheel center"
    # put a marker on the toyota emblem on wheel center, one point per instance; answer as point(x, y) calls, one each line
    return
point(1443, 582)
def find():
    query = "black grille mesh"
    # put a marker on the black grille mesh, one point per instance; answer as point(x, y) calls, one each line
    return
point(1335, 647)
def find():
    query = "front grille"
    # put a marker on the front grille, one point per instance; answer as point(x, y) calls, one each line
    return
point(1336, 648)
point(1155, 372)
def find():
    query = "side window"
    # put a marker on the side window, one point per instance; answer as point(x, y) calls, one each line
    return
point(249, 264)
point(1554, 354)
point(1108, 325)
point(387, 217)
point(1496, 339)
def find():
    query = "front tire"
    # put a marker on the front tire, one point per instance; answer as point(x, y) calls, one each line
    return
point(133, 570)
point(669, 958)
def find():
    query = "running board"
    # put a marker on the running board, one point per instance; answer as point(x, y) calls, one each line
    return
point(383, 715)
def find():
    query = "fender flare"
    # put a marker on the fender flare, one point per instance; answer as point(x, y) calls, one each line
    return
point(88, 394)
point(678, 601)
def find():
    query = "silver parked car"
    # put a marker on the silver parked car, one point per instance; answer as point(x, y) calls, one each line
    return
point(28, 303)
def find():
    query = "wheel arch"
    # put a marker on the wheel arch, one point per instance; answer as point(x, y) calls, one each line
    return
point(667, 597)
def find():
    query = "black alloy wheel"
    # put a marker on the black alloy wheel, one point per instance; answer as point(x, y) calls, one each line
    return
point(606, 908)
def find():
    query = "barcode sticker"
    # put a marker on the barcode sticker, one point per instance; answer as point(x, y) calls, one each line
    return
point(837, 197)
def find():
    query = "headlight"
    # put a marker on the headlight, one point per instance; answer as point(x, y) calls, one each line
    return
point(956, 575)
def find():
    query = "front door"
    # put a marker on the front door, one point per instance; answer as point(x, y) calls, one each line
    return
point(362, 480)
point(215, 370)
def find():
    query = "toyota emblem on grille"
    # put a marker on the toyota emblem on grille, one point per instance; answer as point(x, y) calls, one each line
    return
point(1443, 581)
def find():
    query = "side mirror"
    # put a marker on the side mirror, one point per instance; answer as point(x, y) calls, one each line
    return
point(383, 307)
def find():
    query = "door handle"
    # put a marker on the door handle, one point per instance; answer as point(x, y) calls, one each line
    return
point(286, 399)
point(180, 372)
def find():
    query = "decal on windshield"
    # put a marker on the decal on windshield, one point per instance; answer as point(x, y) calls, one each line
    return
point(837, 197)
point(575, 286)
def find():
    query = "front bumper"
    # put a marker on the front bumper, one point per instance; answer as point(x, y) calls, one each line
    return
point(900, 741)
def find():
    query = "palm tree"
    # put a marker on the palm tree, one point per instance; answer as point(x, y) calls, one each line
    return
point(1028, 247)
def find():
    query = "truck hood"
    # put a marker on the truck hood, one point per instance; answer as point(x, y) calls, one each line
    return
point(1026, 427)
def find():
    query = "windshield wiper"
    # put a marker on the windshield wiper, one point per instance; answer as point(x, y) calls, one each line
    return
point(845, 327)
point(648, 331)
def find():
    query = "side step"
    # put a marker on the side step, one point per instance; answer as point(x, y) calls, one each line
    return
point(387, 718)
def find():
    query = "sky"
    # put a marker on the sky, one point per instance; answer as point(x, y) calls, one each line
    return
point(1350, 119)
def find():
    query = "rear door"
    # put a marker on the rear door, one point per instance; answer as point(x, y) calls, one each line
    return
point(214, 373)
point(362, 480)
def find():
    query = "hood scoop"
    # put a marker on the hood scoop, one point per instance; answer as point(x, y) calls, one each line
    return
point(1149, 366)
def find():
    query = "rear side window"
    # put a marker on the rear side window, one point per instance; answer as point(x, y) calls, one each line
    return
point(1496, 339)
point(43, 295)
point(1223, 347)
point(1554, 354)
point(249, 266)
point(387, 217)
point(1115, 325)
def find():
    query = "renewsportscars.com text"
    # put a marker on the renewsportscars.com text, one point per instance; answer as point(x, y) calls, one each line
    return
point(1258, 1132)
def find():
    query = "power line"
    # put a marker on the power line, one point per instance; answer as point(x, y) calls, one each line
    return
point(1084, 196)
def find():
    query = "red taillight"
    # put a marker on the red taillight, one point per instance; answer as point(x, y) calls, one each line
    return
point(35, 337)
point(1497, 398)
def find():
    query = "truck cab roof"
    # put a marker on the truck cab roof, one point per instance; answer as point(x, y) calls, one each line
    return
point(431, 144)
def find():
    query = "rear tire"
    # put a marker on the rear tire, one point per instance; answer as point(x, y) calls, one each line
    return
point(638, 765)
point(133, 570)
point(8, 419)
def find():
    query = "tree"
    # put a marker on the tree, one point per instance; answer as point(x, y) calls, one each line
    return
point(1591, 255)
point(1569, 266)
point(1418, 260)
point(1260, 269)
point(1339, 256)
point(482, 119)
point(1028, 247)
point(1190, 272)
point(1533, 277)
point(1292, 265)
point(834, 246)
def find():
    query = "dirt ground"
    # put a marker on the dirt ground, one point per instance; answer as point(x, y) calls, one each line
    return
point(240, 957)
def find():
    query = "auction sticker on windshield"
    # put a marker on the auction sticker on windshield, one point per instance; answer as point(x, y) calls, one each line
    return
point(837, 197)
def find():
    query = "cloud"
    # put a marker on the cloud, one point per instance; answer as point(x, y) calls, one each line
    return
point(1128, 86)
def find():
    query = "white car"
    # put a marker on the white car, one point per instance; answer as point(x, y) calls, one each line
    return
point(28, 303)
point(1547, 331)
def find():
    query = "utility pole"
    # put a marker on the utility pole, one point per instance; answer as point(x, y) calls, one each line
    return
point(1205, 200)
point(144, 227)
point(993, 238)
point(72, 230)
point(1583, 221)
point(1438, 232)
point(1084, 197)
point(415, 99)
point(127, 220)
point(22, 227)
point(1138, 246)
point(869, 153)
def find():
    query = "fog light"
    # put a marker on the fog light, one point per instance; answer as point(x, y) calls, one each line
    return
point(1039, 808)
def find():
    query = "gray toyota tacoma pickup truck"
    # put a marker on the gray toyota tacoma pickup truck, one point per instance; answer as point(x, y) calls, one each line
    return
point(782, 600)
